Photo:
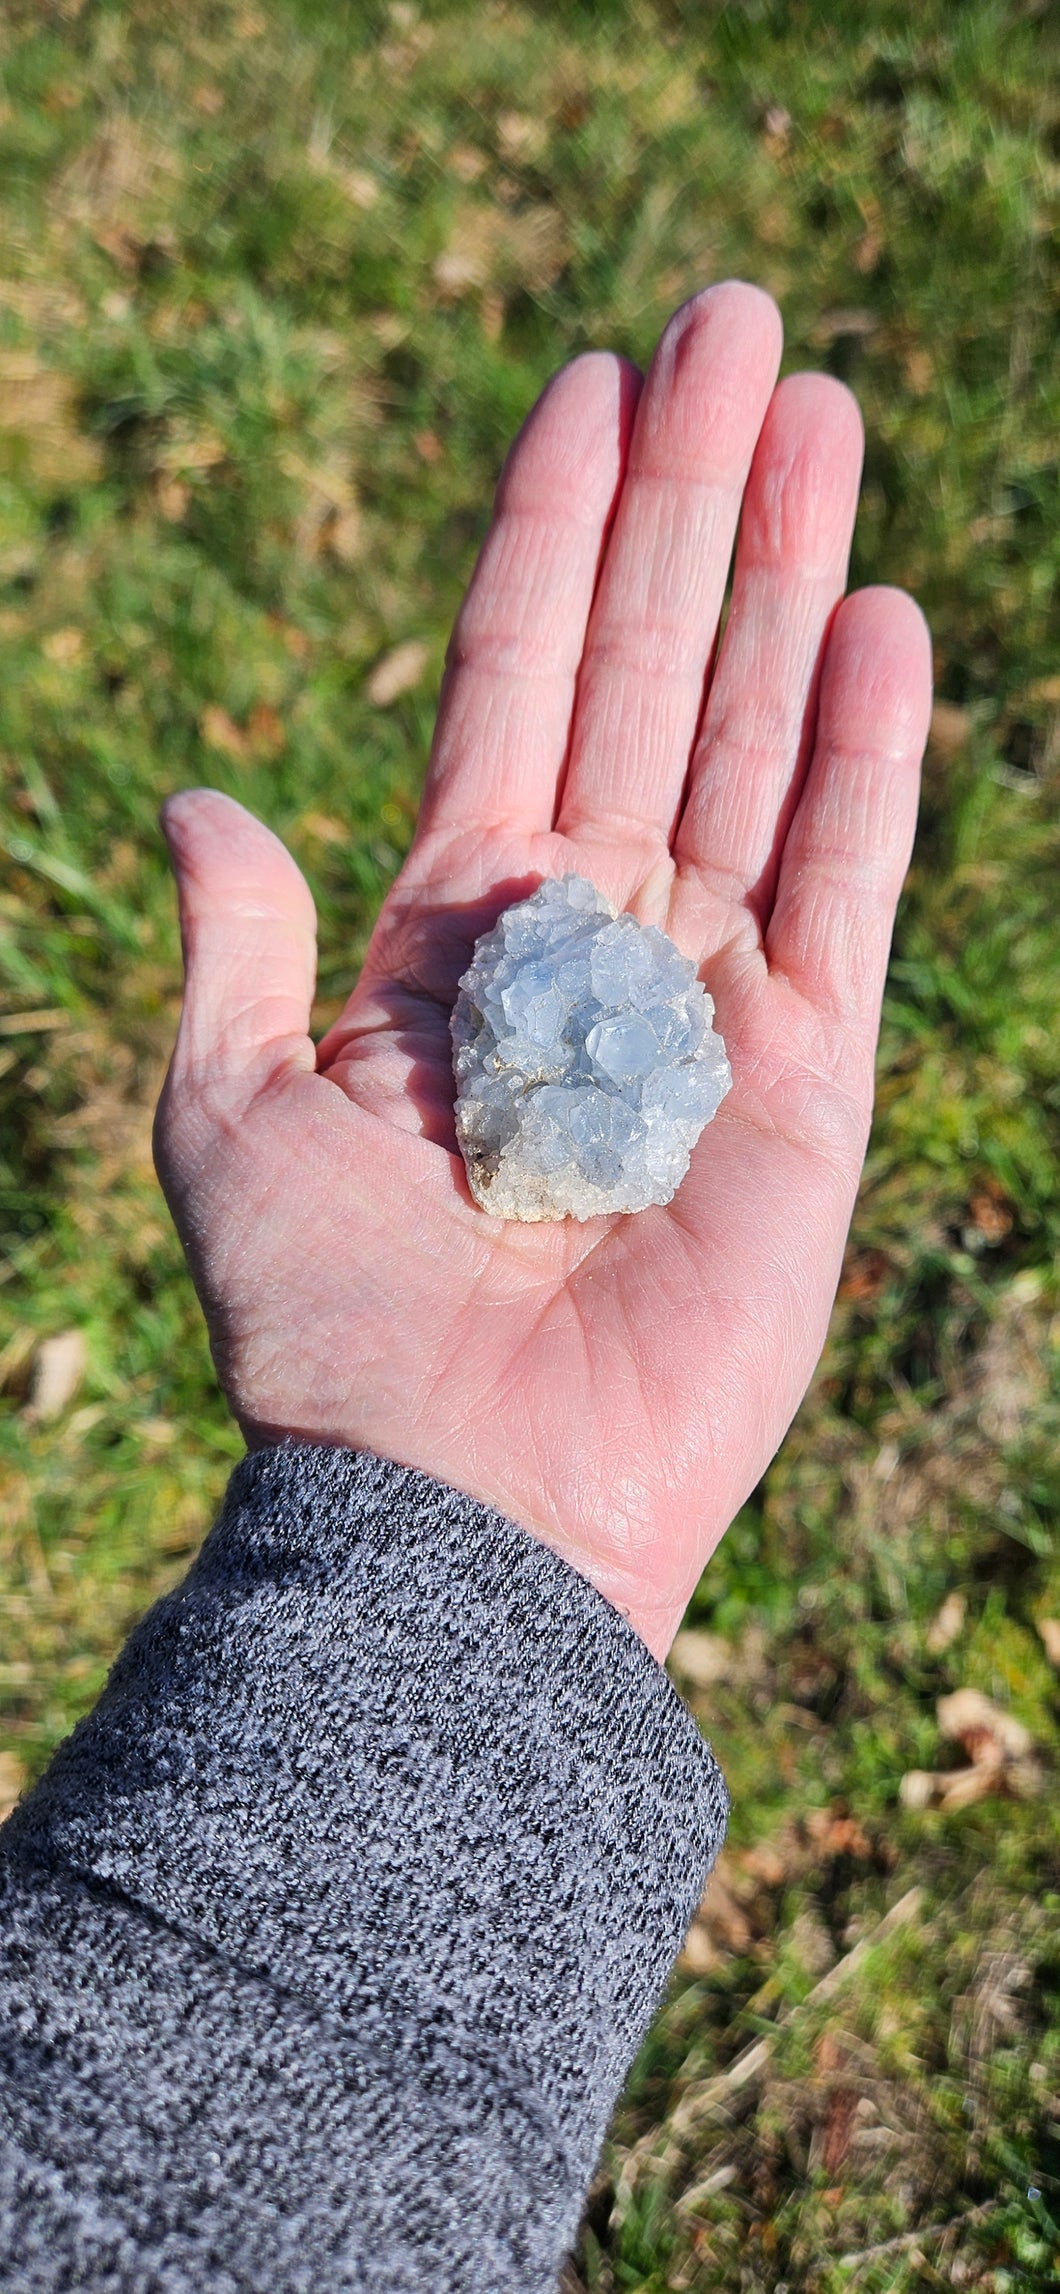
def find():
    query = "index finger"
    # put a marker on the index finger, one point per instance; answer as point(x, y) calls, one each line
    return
point(505, 711)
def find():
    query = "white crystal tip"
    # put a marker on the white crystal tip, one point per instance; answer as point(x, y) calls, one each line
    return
point(586, 1063)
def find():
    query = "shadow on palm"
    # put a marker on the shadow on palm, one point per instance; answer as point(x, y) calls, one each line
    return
point(391, 1050)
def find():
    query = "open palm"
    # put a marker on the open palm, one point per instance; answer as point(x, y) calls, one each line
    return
point(617, 1386)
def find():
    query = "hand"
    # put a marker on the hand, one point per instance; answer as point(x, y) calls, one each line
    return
point(619, 1386)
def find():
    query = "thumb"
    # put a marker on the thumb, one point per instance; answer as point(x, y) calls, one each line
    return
point(248, 931)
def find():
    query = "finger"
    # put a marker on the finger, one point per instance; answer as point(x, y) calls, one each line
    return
point(655, 619)
point(791, 567)
point(248, 932)
point(504, 718)
point(849, 843)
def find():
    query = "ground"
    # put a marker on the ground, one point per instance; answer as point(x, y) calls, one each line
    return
point(276, 284)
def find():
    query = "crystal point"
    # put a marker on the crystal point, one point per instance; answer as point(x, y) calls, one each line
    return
point(586, 1063)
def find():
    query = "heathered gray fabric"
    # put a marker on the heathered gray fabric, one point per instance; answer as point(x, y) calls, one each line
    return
point(328, 1938)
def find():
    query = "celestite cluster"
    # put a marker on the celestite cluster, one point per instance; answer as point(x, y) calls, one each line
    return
point(585, 1060)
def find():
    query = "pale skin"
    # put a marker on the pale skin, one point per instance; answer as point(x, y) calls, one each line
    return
point(617, 1387)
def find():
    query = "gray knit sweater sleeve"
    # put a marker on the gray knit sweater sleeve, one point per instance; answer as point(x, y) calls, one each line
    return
point(328, 1938)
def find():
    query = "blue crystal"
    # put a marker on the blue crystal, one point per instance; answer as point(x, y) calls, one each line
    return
point(585, 1060)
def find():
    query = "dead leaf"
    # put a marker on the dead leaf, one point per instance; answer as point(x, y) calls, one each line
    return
point(703, 1658)
point(488, 247)
point(836, 1833)
point(342, 535)
point(770, 1863)
point(947, 1626)
point(991, 1211)
point(918, 1788)
point(262, 738)
point(466, 163)
point(293, 639)
point(948, 1789)
point(838, 2128)
point(220, 731)
point(58, 1368)
point(360, 187)
point(491, 314)
point(82, 1421)
point(397, 672)
point(520, 136)
point(870, 246)
point(1049, 1628)
point(864, 1274)
point(12, 1783)
point(324, 828)
point(119, 188)
point(40, 406)
point(986, 1734)
point(63, 645)
point(330, 518)
point(46, 1022)
point(812, 1943)
point(700, 1954)
point(172, 497)
point(189, 451)
point(829, 2055)
point(950, 728)
point(266, 733)
point(721, 1929)
point(999, 1748)
point(64, 96)
point(919, 369)
point(776, 130)
point(459, 268)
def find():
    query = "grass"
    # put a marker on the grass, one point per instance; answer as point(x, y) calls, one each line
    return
point(276, 285)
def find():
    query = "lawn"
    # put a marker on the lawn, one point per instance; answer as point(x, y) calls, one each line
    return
point(276, 285)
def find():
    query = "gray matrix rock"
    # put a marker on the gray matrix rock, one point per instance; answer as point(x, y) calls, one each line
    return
point(585, 1060)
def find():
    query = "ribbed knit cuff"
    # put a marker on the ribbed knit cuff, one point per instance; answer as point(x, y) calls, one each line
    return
point(385, 1753)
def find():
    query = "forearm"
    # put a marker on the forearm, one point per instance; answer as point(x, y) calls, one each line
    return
point(331, 1934)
